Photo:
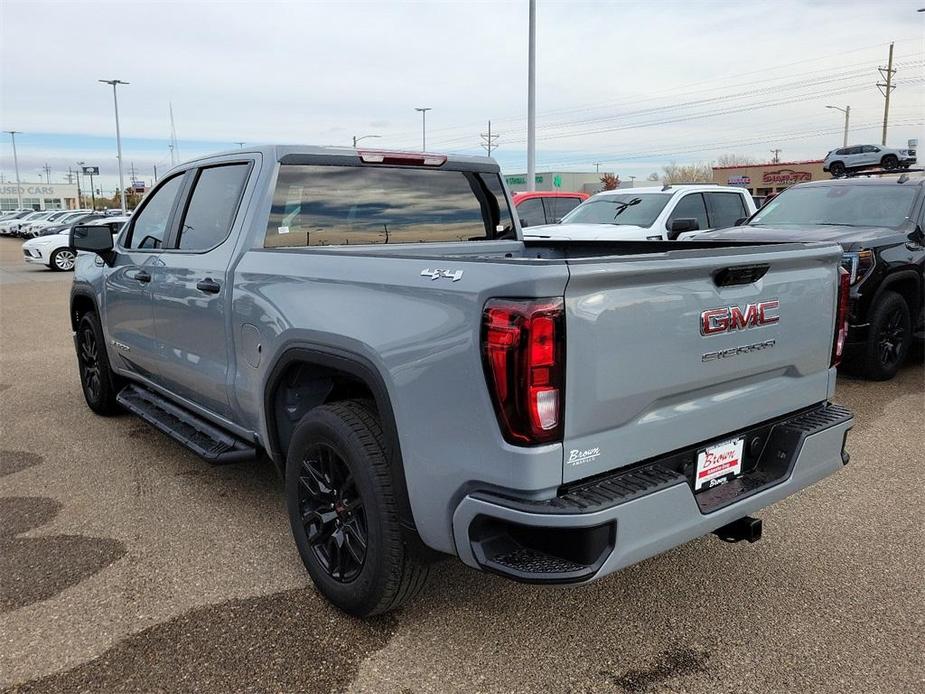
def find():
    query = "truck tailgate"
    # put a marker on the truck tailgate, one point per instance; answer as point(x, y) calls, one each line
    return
point(641, 380)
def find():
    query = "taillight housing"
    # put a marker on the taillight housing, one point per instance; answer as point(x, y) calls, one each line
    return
point(523, 352)
point(841, 316)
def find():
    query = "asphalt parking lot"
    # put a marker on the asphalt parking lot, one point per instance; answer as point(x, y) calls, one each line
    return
point(128, 564)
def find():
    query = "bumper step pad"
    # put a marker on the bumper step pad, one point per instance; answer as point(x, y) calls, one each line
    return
point(206, 440)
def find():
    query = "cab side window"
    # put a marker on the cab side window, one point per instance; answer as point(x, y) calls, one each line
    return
point(557, 208)
point(725, 209)
point(149, 228)
point(212, 207)
point(531, 212)
point(690, 207)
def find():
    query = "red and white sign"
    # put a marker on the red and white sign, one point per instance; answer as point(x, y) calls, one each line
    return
point(786, 176)
point(717, 463)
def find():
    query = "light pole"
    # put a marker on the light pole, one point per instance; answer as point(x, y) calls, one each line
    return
point(115, 102)
point(13, 134)
point(362, 137)
point(847, 112)
point(531, 100)
point(423, 111)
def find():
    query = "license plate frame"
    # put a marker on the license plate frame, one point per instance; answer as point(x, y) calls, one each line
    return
point(718, 463)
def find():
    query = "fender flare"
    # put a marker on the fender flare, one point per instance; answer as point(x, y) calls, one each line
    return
point(358, 367)
point(898, 276)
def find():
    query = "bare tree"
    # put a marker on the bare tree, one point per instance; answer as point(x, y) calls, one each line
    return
point(610, 181)
point(688, 173)
point(652, 176)
point(735, 160)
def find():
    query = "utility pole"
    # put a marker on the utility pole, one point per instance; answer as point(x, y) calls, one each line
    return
point(489, 140)
point(885, 88)
point(13, 134)
point(155, 173)
point(70, 177)
point(115, 102)
point(776, 158)
point(131, 173)
point(174, 145)
point(531, 100)
point(47, 170)
point(80, 202)
point(597, 166)
point(423, 110)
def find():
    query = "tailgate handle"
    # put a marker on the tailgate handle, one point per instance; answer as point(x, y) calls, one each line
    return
point(741, 274)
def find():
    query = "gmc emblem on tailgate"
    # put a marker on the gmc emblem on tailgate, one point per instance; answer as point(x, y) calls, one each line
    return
point(727, 319)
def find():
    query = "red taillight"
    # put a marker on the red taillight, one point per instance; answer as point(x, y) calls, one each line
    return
point(523, 347)
point(370, 156)
point(841, 316)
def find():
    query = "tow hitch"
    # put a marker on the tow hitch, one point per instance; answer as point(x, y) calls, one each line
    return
point(747, 528)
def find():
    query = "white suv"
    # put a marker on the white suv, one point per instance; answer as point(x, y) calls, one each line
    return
point(840, 161)
point(657, 213)
point(55, 250)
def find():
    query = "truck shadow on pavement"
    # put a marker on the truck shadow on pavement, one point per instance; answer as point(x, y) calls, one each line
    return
point(37, 568)
point(285, 642)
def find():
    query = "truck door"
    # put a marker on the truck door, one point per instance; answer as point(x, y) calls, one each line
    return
point(129, 316)
point(190, 291)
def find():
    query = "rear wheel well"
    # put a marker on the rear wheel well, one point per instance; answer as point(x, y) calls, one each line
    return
point(301, 387)
point(80, 306)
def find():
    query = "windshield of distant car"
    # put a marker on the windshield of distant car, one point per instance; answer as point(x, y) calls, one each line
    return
point(621, 209)
point(887, 205)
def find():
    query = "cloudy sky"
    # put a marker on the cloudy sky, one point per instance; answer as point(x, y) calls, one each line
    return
point(632, 85)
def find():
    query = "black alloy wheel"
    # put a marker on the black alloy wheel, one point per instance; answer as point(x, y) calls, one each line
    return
point(837, 169)
point(890, 162)
point(891, 339)
point(88, 355)
point(332, 513)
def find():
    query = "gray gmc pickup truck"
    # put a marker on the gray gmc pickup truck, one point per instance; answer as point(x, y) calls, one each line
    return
point(427, 383)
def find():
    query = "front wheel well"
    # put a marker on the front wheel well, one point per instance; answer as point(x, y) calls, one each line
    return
point(907, 287)
point(81, 305)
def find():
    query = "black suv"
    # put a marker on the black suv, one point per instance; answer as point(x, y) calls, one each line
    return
point(879, 221)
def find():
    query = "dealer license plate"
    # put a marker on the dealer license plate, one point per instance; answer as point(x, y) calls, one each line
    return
point(719, 463)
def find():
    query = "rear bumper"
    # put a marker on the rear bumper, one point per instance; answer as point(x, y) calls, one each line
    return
point(615, 521)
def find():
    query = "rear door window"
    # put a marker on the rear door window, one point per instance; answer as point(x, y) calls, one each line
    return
point(357, 205)
point(691, 206)
point(725, 209)
point(212, 207)
point(531, 212)
point(557, 208)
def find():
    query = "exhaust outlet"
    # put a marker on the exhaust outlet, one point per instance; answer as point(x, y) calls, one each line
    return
point(746, 528)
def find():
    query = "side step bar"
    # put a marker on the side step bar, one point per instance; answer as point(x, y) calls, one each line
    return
point(206, 440)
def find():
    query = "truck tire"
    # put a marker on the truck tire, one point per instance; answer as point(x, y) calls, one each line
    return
point(344, 514)
point(98, 382)
point(889, 337)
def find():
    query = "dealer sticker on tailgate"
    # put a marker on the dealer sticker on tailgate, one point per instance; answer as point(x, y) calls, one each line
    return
point(718, 463)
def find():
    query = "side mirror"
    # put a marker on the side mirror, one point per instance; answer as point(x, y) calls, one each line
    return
point(917, 235)
point(557, 220)
point(740, 221)
point(92, 238)
point(679, 226)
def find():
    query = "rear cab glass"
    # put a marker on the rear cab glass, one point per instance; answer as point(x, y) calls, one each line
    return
point(328, 205)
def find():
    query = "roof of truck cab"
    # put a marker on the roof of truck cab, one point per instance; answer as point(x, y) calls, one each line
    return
point(277, 152)
point(676, 188)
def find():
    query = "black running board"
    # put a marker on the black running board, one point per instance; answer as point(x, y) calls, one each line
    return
point(206, 440)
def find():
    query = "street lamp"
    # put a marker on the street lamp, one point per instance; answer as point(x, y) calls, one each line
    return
point(423, 111)
point(847, 112)
point(362, 137)
point(115, 102)
point(13, 134)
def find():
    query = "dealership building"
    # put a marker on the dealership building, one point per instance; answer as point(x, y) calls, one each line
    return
point(567, 182)
point(39, 196)
point(765, 179)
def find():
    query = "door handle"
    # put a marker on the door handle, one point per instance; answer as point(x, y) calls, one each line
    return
point(141, 276)
point(208, 285)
